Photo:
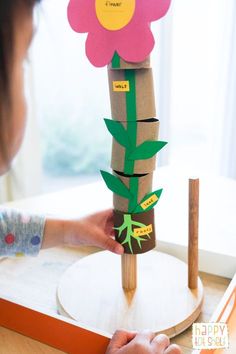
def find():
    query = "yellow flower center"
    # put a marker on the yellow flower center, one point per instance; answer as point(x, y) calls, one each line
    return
point(115, 14)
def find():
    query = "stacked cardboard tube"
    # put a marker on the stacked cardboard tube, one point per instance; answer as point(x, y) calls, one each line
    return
point(134, 128)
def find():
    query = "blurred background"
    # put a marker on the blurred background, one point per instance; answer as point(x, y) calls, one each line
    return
point(194, 63)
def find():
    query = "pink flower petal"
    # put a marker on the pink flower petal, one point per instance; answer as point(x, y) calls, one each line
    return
point(133, 43)
point(137, 45)
point(81, 15)
point(157, 9)
point(100, 48)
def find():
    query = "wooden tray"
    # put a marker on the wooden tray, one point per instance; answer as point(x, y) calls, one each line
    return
point(226, 312)
point(28, 302)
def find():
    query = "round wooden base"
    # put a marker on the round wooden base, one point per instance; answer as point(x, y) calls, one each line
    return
point(90, 292)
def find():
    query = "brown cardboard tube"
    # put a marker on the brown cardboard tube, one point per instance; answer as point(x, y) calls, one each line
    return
point(147, 219)
point(144, 187)
point(145, 100)
point(146, 130)
point(127, 65)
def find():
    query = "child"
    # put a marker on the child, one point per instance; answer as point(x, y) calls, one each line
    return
point(28, 234)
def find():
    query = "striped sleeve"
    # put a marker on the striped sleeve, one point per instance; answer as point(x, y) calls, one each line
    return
point(20, 233)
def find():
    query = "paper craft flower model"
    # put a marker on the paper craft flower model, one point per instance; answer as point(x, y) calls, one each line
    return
point(121, 26)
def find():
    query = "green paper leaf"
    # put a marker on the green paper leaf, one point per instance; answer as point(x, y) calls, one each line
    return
point(116, 185)
point(147, 150)
point(118, 131)
point(150, 198)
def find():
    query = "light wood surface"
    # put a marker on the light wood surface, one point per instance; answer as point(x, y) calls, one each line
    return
point(193, 233)
point(231, 322)
point(162, 301)
point(14, 343)
point(129, 271)
point(214, 289)
point(226, 312)
point(232, 337)
point(32, 282)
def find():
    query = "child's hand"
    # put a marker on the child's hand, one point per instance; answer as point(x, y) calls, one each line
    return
point(142, 343)
point(93, 230)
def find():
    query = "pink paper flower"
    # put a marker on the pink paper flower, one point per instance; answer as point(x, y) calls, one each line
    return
point(133, 42)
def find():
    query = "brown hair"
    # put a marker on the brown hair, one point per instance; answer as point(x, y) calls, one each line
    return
point(8, 12)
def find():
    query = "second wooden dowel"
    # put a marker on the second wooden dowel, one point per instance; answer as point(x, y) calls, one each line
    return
point(193, 233)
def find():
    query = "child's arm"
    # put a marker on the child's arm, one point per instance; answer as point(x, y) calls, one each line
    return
point(93, 230)
point(20, 233)
point(27, 234)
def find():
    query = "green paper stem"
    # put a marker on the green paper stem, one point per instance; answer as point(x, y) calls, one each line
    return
point(131, 112)
point(115, 64)
point(133, 187)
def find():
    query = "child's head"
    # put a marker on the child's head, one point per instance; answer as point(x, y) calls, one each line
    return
point(16, 30)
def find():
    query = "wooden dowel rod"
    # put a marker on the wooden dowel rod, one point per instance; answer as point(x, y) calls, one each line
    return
point(129, 271)
point(193, 233)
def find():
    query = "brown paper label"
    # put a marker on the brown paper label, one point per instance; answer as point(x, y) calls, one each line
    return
point(141, 231)
point(121, 86)
point(150, 201)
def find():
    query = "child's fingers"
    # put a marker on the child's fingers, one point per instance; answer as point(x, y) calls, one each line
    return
point(160, 343)
point(120, 339)
point(109, 229)
point(102, 218)
point(99, 238)
point(106, 215)
point(173, 349)
point(145, 336)
point(112, 245)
